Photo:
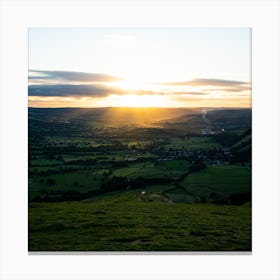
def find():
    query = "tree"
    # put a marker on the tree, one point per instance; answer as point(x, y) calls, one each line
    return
point(50, 182)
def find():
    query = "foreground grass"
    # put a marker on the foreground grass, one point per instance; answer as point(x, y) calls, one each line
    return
point(124, 223)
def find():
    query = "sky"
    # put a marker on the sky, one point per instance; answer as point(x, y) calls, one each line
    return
point(139, 67)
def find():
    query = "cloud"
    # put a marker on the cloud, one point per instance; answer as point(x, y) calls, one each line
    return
point(215, 82)
point(224, 85)
point(68, 90)
point(71, 90)
point(235, 89)
point(78, 84)
point(45, 76)
point(193, 93)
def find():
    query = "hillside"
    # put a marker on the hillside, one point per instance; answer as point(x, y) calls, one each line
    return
point(178, 121)
point(242, 148)
point(125, 223)
point(108, 114)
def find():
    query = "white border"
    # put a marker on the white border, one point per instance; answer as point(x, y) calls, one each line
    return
point(262, 16)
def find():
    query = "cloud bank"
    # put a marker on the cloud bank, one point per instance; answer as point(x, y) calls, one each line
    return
point(44, 83)
point(69, 90)
point(64, 76)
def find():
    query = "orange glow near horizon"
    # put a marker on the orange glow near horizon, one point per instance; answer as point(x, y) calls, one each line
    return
point(139, 67)
point(132, 100)
point(143, 101)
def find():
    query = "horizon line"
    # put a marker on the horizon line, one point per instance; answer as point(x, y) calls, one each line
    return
point(201, 107)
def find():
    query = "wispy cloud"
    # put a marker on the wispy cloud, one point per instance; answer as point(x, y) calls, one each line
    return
point(221, 85)
point(68, 90)
point(215, 82)
point(72, 90)
point(46, 76)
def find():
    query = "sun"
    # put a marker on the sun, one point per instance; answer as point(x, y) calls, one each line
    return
point(132, 85)
point(135, 85)
point(139, 94)
point(133, 100)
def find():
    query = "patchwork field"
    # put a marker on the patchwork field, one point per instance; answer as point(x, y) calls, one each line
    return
point(159, 186)
point(193, 143)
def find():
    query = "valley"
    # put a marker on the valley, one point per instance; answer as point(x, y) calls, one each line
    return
point(139, 179)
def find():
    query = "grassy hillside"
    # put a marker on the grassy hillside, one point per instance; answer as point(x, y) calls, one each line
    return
point(126, 222)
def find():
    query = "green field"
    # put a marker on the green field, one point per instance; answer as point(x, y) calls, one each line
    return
point(215, 183)
point(219, 180)
point(193, 143)
point(92, 177)
point(125, 223)
point(169, 169)
point(81, 181)
point(102, 184)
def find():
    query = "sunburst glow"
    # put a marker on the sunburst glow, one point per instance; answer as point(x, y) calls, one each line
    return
point(133, 100)
point(141, 67)
point(135, 85)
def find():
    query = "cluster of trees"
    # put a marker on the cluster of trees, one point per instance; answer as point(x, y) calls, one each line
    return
point(48, 172)
point(81, 162)
point(69, 195)
point(197, 166)
point(232, 199)
point(114, 184)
